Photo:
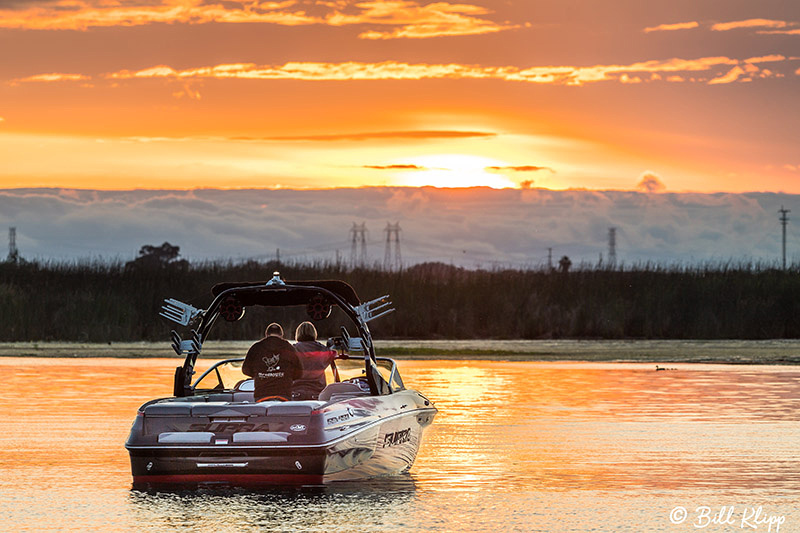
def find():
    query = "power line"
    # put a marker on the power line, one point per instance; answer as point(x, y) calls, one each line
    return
point(13, 253)
point(392, 237)
point(358, 241)
point(612, 247)
point(784, 220)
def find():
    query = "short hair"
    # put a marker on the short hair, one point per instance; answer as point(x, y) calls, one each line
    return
point(274, 329)
point(305, 332)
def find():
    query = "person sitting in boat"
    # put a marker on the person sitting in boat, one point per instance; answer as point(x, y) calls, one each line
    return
point(314, 359)
point(273, 364)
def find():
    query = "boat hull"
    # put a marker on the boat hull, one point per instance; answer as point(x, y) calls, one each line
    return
point(304, 442)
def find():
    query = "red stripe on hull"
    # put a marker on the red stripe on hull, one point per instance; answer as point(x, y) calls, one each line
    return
point(241, 480)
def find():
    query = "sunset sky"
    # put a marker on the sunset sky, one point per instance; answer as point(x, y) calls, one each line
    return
point(686, 95)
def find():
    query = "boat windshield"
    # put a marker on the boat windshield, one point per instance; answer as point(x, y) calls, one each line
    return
point(353, 368)
point(228, 375)
point(224, 375)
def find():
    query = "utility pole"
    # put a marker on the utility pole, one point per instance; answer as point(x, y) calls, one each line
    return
point(359, 240)
point(392, 236)
point(363, 242)
point(784, 220)
point(612, 247)
point(13, 253)
point(549, 259)
point(353, 245)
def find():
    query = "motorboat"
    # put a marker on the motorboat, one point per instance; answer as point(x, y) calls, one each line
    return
point(365, 422)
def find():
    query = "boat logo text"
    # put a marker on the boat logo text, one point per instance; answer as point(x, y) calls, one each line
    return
point(222, 427)
point(398, 437)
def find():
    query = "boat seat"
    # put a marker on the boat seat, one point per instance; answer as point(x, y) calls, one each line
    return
point(220, 397)
point(168, 409)
point(302, 408)
point(185, 437)
point(255, 437)
point(341, 390)
point(243, 397)
point(225, 409)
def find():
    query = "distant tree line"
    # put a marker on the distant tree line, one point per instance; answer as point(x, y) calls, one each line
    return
point(106, 302)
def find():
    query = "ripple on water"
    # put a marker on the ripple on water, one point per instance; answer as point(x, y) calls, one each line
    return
point(515, 447)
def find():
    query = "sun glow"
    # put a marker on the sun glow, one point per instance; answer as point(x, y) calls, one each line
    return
point(453, 170)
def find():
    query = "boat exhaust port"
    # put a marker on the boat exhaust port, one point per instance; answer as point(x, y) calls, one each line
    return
point(298, 465)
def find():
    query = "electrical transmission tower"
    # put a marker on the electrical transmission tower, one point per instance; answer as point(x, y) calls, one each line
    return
point(784, 220)
point(612, 247)
point(358, 235)
point(392, 236)
point(13, 253)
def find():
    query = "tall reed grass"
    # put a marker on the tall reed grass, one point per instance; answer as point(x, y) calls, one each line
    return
point(96, 301)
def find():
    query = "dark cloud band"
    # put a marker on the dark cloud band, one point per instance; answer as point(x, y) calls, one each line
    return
point(463, 226)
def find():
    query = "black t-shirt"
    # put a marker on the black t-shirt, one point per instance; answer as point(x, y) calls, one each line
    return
point(273, 364)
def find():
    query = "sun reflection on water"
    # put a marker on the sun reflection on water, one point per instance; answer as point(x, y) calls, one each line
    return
point(515, 446)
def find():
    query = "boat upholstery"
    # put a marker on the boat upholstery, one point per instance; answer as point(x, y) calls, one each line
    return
point(341, 390)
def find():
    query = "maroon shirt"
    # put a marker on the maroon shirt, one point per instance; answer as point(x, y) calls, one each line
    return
point(314, 359)
point(273, 364)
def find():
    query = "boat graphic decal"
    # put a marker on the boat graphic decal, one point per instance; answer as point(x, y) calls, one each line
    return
point(398, 437)
point(341, 418)
point(222, 427)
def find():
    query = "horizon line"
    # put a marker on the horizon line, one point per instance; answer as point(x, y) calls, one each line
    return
point(413, 187)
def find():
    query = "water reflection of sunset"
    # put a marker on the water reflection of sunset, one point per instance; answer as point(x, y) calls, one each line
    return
point(547, 446)
point(570, 426)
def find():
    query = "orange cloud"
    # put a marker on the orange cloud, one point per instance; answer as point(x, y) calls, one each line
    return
point(783, 27)
point(520, 168)
point(720, 70)
point(419, 21)
point(412, 19)
point(749, 23)
point(650, 182)
point(569, 75)
point(766, 59)
point(393, 70)
point(84, 14)
point(732, 75)
point(351, 70)
point(395, 167)
point(780, 32)
point(52, 77)
point(366, 136)
point(672, 27)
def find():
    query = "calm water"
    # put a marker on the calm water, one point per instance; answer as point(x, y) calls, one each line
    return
point(515, 447)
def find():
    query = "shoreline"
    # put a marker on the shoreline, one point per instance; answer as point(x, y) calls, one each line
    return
point(770, 352)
